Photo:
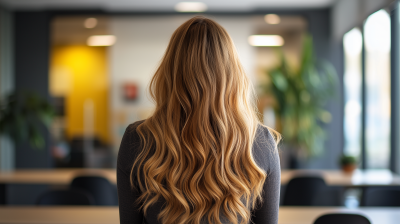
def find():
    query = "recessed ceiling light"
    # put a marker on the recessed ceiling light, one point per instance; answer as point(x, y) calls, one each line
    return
point(266, 40)
point(272, 19)
point(101, 40)
point(190, 7)
point(90, 23)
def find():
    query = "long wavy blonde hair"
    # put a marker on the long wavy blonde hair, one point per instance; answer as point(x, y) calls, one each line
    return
point(197, 146)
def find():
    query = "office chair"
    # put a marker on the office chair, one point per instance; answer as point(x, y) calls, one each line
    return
point(103, 192)
point(303, 191)
point(342, 219)
point(65, 197)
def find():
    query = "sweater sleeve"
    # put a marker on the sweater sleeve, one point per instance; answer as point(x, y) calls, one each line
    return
point(267, 212)
point(128, 209)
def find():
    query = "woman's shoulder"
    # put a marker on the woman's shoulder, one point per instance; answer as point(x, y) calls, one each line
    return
point(129, 147)
point(130, 140)
point(131, 131)
point(265, 135)
point(265, 147)
point(132, 127)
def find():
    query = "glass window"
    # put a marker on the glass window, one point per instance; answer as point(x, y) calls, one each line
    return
point(352, 42)
point(377, 74)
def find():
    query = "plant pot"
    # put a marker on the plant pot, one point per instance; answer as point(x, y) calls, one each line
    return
point(349, 168)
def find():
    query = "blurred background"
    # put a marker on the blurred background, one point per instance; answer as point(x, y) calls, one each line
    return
point(74, 74)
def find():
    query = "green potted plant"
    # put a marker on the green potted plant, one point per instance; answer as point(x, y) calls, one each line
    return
point(21, 116)
point(348, 163)
point(299, 99)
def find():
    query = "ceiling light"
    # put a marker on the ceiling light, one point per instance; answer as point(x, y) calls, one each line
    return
point(101, 40)
point(266, 40)
point(191, 7)
point(272, 19)
point(90, 23)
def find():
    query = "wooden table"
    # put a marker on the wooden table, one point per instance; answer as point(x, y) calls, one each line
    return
point(53, 176)
point(48, 177)
point(339, 178)
point(65, 176)
point(109, 215)
point(307, 215)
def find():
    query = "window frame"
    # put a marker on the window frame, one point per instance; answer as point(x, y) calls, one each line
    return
point(394, 157)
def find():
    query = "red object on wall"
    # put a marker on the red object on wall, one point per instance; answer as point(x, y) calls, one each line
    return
point(130, 91)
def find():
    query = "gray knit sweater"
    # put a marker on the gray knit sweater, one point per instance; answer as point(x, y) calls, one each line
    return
point(264, 152)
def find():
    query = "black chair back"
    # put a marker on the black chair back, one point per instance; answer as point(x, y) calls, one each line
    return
point(104, 193)
point(381, 196)
point(342, 219)
point(65, 197)
point(302, 191)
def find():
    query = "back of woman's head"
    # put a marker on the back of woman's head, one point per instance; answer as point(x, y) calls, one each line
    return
point(197, 146)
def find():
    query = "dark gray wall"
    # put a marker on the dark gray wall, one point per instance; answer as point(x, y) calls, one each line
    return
point(328, 49)
point(335, 142)
point(31, 44)
point(31, 58)
point(394, 89)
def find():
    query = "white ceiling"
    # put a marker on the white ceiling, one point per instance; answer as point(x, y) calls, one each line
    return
point(163, 5)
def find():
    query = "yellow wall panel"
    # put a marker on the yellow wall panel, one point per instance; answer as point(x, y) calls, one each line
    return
point(80, 74)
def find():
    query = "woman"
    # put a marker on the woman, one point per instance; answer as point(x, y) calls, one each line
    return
point(203, 156)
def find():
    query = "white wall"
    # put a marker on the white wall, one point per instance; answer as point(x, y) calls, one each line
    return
point(141, 43)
